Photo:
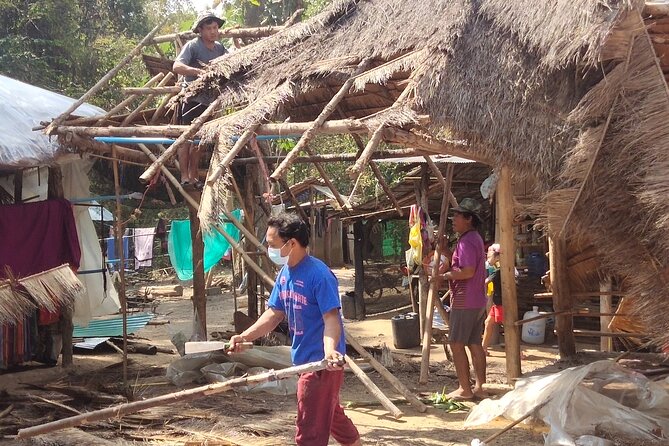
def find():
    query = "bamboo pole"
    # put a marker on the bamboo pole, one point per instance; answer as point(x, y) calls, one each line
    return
point(373, 389)
point(128, 119)
point(226, 33)
point(373, 143)
point(392, 380)
point(161, 131)
point(505, 214)
point(171, 398)
point(431, 144)
point(435, 169)
point(227, 159)
point(432, 296)
point(181, 141)
point(121, 269)
point(120, 106)
point(138, 91)
point(315, 125)
point(105, 79)
point(293, 198)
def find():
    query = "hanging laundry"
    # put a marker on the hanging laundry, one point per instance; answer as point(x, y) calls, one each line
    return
point(112, 256)
point(49, 240)
point(180, 247)
point(143, 242)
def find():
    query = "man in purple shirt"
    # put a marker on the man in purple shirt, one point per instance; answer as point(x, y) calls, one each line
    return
point(468, 302)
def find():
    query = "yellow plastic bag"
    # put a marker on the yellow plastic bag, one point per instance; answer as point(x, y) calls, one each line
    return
point(416, 242)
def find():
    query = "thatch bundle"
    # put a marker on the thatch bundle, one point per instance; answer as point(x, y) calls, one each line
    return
point(568, 91)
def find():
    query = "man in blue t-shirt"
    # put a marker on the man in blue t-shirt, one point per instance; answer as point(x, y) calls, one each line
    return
point(306, 294)
point(190, 63)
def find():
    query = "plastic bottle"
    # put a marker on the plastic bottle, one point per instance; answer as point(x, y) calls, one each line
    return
point(534, 332)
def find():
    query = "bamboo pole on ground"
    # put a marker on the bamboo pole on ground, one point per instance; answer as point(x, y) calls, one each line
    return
point(181, 141)
point(170, 398)
point(505, 212)
point(396, 383)
point(315, 125)
point(432, 296)
point(373, 389)
point(121, 268)
point(105, 79)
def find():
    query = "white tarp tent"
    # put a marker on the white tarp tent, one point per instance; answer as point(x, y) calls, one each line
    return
point(23, 107)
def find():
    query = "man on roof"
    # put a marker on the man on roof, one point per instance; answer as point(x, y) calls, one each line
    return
point(190, 63)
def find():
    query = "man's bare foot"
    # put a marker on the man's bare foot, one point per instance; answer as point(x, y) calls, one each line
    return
point(460, 394)
point(479, 393)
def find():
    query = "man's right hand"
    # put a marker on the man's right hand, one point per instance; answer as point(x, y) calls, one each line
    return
point(236, 343)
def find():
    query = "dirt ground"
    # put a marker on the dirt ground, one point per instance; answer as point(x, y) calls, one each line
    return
point(249, 419)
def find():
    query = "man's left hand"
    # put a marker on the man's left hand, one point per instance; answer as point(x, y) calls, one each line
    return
point(335, 361)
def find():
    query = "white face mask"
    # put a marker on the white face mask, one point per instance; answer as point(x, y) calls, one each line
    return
point(275, 256)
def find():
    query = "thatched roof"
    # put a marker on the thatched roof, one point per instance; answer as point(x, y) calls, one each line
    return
point(544, 87)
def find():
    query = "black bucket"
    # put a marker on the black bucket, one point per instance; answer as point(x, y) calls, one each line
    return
point(406, 330)
point(348, 305)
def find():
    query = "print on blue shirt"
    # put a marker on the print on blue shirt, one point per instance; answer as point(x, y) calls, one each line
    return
point(304, 293)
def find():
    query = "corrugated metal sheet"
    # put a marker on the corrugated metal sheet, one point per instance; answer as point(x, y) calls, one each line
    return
point(90, 343)
point(112, 326)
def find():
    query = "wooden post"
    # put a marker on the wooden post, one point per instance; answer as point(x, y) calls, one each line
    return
point(65, 325)
point(18, 186)
point(605, 307)
point(199, 297)
point(562, 299)
point(106, 78)
point(358, 235)
point(118, 229)
point(432, 297)
point(505, 212)
point(249, 222)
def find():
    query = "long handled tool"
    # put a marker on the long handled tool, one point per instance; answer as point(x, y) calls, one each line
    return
point(184, 395)
point(210, 346)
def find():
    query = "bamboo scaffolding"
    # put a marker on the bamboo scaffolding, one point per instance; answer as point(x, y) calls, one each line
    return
point(170, 398)
point(105, 79)
point(181, 141)
point(120, 106)
point(293, 198)
point(315, 125)
point(432, 296)
point(373, 143)
point(118, 224)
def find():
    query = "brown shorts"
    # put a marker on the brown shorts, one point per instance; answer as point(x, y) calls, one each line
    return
point(466, 326)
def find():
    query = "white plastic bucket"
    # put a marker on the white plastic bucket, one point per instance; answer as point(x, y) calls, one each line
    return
point(534, 332)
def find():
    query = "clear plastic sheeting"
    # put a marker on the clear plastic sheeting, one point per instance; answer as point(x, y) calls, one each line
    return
point(22, 107)
point(581, 401)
